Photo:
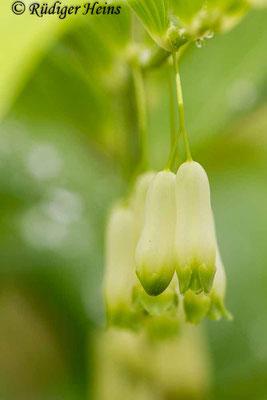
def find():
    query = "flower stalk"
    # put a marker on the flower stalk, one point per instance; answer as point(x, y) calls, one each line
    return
point(141, 113)
point(181, 106)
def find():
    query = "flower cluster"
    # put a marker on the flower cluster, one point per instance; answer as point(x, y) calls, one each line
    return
point(162, 251)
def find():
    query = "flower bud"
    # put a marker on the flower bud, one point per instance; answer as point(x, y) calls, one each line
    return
point(154, 254)
point(120, 277)
point(195, 242)
point(217, 294)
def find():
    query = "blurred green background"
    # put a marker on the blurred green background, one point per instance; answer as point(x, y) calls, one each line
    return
point(68, 148)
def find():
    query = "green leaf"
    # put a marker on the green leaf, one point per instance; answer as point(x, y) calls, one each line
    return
point(154, 15)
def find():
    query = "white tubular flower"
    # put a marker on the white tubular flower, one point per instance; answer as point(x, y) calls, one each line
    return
point(120, 277)
point(138, 200)
point(154, 254)
point(195, 242)
point(217, 295)
point(168, 300)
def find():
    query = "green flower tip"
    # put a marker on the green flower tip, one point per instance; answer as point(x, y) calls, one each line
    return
point(154, 283)
point(197, 279)
point(218, 310)
point(184, 275)
point(196, 306)
point(206, 277)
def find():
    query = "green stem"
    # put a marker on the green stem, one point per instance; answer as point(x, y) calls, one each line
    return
point(173, 150)
point(181, 106)
point(172, 107)
point(141, 113)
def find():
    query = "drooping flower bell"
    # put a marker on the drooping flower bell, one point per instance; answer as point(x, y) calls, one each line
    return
point(120, 277)
point(154, 254)
point(195, 241)
point(168, 300)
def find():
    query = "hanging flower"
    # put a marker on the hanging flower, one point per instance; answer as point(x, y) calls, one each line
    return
point(154, 254)
point(120, 277)
point(195, 242)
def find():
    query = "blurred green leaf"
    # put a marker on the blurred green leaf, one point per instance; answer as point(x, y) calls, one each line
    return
point(23, 41)
point(186, 9)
